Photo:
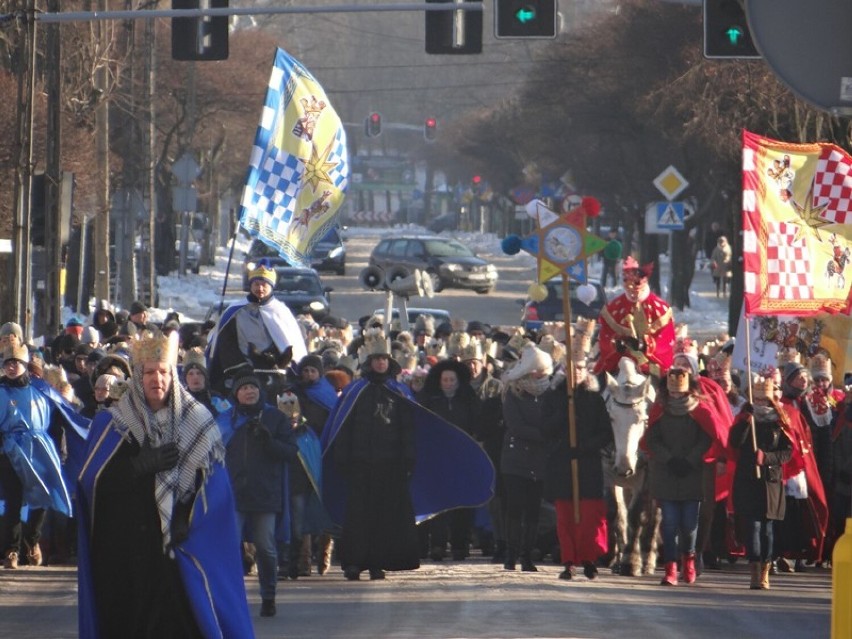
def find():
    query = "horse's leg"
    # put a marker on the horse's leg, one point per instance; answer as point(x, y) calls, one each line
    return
point(632, 564)
point(620, 527)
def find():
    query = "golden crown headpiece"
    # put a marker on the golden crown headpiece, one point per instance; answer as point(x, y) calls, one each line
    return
point(677, 380)
point(473, 350)
point(375, 343)
point(406, 339)
point(435, 347)
point(719, 364)
point(54, 375)
point(424, 324)
point(18, 352)
point(581, 334)
point(288, 403)
point(517, 341)
point(407, 360)
point(557, 329)
point(764, 388)
point(457, 342)
point(194, 357)
point(786, 355)
point(820, 366)
point(554, 348)
point(263, 270)
point(158, 348)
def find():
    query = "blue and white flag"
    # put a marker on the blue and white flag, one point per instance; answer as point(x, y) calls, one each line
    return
point(299, 167)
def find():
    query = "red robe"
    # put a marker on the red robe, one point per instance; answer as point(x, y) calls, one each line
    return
point(803, 459)
point(651, 320)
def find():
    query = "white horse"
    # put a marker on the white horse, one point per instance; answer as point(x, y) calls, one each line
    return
point(637, 522)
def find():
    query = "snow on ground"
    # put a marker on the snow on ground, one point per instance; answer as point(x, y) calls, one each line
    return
point(192, 295)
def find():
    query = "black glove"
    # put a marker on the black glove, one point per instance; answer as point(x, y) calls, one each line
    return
point(747, 408)
point(261, 432)
point(152, 460)
point(679, 466)
point(180, 522)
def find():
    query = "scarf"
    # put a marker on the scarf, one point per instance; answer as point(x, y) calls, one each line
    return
point(681, 405)
point(765, 414)
point(533, 386)
point(183, 421)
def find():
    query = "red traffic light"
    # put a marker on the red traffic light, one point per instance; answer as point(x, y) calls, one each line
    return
point(430, 129)
point(476, 179)
point(373, 125)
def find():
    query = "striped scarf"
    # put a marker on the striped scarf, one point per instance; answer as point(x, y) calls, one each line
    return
point(184, 421)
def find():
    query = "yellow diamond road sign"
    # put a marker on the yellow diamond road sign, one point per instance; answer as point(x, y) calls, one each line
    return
point(670, 183)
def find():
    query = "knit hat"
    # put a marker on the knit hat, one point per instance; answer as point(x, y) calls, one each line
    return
point(11, 328)
point(137, 307)
point(95, 355)
point(194, 359)
point(244, 380)
point(791, 369)
point(90, 335)
point(691, 362)
point(532, 359)
point(475, 326)
point(312, 361)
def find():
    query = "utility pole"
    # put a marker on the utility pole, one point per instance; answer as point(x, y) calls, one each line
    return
point(100, 241)
point(51, 315)
point(151, 151)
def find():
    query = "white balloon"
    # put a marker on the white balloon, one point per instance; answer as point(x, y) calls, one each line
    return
point(586, 293)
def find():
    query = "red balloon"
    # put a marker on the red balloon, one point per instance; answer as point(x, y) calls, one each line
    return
point(592, 206)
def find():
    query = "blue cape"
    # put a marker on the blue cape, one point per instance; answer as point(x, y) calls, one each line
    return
point(451, 469)
point(321, 392)
point(209, 560)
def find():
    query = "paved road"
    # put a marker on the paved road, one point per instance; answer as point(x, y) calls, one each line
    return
point(475, 599)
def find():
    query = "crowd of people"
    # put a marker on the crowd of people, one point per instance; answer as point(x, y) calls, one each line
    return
point(183, 456)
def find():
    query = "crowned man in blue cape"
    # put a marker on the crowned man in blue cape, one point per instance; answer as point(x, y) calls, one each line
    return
point(387, 462)
point(261, 333)
point(158, 549)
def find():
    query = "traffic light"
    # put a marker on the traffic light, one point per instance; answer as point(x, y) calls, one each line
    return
point(430, 129)
point(476, 180)
point(453, 32)
point(726, 31)
point(200, 38)
point(373, 125)
point(525, 19)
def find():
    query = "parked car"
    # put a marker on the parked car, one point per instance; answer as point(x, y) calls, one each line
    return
point(447, 261)
point(441, 316)
point(552, 308)
point(302, 290)
point(328, 254)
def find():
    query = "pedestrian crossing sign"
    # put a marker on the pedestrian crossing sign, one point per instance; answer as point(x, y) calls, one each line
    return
point(670, 215)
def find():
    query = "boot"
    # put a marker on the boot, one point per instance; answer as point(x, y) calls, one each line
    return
point(527, 565)
point(305, 557)
point(764, 575)
point(754, 573)
point(670, 579)
point(499, 555)
point(326, 549)
point(267, 608)
point(689, 573)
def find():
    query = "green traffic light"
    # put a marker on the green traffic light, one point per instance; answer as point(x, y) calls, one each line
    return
point(735, 35)
point(525, 14)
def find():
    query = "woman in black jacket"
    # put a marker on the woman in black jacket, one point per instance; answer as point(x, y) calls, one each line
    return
point(759, 499)
point(448, 393)
point(583, 542)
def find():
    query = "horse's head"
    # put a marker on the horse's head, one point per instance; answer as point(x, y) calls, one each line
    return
point(630, 394)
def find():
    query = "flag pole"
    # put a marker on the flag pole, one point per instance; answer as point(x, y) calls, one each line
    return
point(750, 395)
point(228, 270)
point(572, 417)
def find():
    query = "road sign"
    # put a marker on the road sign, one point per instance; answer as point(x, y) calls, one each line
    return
point(670, 215)
point(186, 169)
point(670, 183)
point(184, 198)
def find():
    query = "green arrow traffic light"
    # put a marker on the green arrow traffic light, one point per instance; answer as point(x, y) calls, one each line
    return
point(525, 14)
point(735, 35)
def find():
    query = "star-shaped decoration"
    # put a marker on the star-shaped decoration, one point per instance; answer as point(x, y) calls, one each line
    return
point(563, 246)
point(811, 216)
point(317, 167)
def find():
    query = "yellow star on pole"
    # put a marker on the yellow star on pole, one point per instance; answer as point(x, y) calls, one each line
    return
point(810, 215)
point(317, 167)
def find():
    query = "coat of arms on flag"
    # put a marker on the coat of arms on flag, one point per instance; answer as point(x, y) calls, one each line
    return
point(299, 167)
point(797, 227)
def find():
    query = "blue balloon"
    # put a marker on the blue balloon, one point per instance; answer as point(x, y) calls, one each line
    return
point(511, 244)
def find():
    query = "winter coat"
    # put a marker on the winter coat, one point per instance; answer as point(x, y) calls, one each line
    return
point(676, 437)
point(594, 431)
point(526, 445)
point(721, 260)
point(255, 459)
point(463, 409)
point(763, 497)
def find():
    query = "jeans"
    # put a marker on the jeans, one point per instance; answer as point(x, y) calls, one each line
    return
point(758, 539)
point(679, 515)
point(263, 534)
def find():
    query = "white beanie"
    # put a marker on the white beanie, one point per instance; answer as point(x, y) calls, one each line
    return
point(532, 359)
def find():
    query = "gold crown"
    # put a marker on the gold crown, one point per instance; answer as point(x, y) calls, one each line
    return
point(554, 348)
point(786, 355)
point(155, 348)
point(435, 347)
point(456, 343)
point(472, 351)
point(677, 380)
point(194, 357)
point(375, 343)
point(764, 388)
point(264, 271)
point(407, 360)
point(581, 334)
point(54, 375)
point(820, 366)
point(288, 403)
point(18, 352)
